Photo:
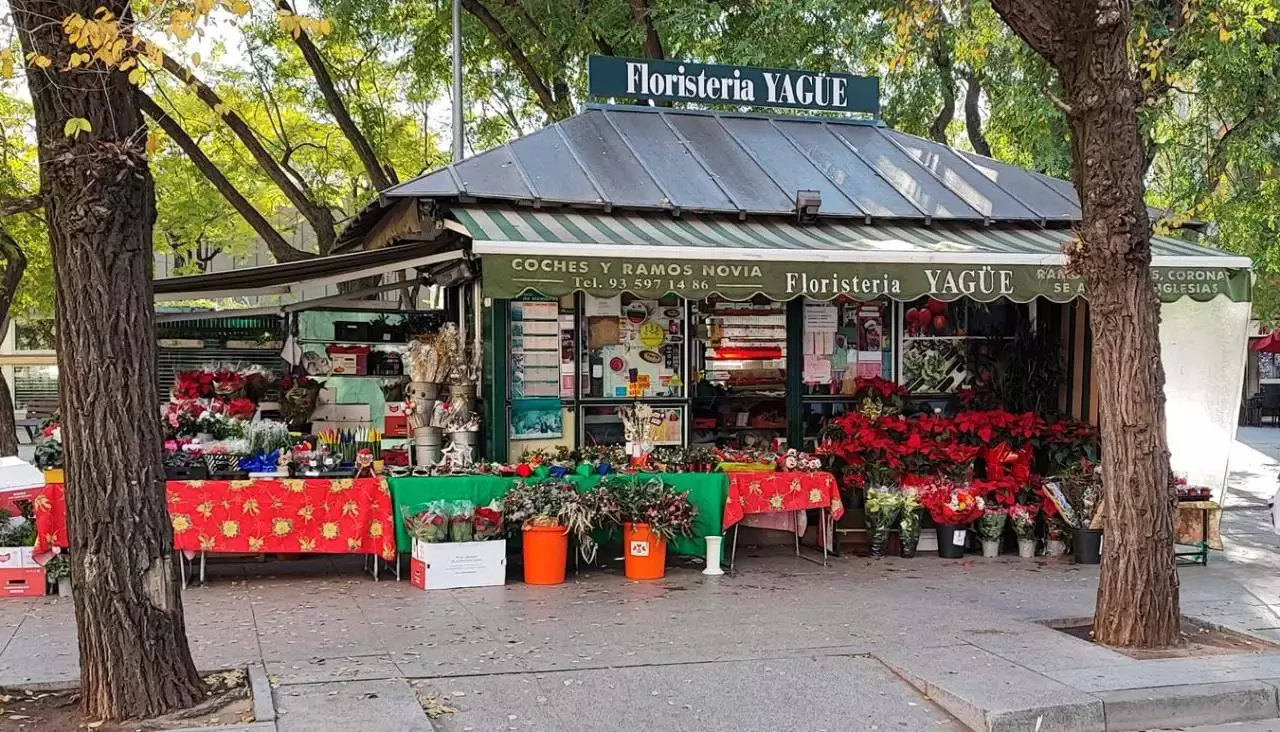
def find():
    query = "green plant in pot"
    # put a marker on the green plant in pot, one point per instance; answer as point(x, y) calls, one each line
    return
point(536, 507)
point(651, 514)
point(909, 524)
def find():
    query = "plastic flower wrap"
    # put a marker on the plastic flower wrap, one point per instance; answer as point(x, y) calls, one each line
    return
point(882, 514)
point(488, 522)
point(952, 505)
point(428, 522)
point(1023, 519)
point(991, 525)
point(462, 521)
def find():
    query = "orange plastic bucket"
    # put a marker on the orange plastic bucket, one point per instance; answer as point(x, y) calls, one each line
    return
point(646, 553)
point(546, 552)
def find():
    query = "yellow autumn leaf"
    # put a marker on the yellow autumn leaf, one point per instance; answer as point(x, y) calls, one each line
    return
point(324, 27)
point(138, 76)
point(221, 109)
point(6, 63)
point(39, 60)
point(1224, 35)
point(75, 126)
point(195, 59)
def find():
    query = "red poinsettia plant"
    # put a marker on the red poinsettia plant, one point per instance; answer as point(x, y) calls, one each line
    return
point(952, 505)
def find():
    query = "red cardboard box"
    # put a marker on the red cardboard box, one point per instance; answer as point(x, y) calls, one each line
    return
point(397, 425)
point(22, 582)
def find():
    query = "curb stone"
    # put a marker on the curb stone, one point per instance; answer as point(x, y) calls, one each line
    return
point(1135, 710)
point(1000, 702)
point(264, 705)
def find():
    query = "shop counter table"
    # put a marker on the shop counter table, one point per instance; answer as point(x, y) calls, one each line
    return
point(258, 516)
point(1197, 524)
point(783, 492)
point(706, 491)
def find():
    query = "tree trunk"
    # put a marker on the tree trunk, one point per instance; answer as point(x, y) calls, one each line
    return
point(100, 204)
point(15, 264)
point(1138, 588)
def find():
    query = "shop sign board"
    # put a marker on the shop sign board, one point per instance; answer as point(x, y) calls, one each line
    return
point(508, 276)
point(741, 86)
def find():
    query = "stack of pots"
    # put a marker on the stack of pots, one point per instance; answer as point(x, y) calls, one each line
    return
point(464, 394)
point(428, 442)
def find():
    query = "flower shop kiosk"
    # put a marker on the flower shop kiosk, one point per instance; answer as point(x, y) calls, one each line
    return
point(695, 298)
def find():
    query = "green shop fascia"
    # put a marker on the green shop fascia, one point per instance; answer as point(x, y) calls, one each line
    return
point(740, 271)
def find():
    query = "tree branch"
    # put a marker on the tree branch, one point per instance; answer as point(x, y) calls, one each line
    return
point(15, 266)
point(276, 243)
point(1055, 101)
point(379, 176)
point(26, 204)
point(940, 55)
point(319, 216)
point(973, 114)
point(554, 108)
point(642, 14)
point(1216, 168)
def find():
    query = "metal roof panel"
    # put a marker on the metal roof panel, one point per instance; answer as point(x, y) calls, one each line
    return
point(847, 170)
point(687, 183)
point(981, 193)
point(789, 170)
point(549, 163)
point(603, 153)
point(1028, 187)
point(910, 179)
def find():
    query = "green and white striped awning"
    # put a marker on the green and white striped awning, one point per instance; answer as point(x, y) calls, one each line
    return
point(558, 252)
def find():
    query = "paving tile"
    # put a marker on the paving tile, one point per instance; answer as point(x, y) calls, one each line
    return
point(350, 706)
point(808, 694)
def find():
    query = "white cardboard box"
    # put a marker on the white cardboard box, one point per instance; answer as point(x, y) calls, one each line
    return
point(17, 557)
point(447, 565)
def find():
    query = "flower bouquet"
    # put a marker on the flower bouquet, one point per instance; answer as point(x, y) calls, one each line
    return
point(462, 525)
point(953, 508)
point(488, 522)
point(909, 524)
point(428, 522)
point(882, 513)
point(651, 515)
point(1023, 518)
point(990, 529)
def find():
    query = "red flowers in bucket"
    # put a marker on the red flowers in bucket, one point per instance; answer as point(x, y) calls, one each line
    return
point(952, 505)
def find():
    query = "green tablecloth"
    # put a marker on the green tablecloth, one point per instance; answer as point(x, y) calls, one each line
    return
point(707, 491)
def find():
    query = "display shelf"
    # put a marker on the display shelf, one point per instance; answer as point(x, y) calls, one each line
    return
point(356, 376)
point(336, 342)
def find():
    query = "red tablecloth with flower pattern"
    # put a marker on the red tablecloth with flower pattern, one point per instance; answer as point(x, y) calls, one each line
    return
point(778, 492)
point(285, 516)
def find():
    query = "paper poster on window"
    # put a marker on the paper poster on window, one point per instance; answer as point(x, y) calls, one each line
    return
point(536, 419)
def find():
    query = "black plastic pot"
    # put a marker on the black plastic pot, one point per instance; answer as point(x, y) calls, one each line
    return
point(1087, 546)
point(952, 540)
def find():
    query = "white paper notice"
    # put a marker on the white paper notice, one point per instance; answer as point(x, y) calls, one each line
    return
point(817, 370)
point(957, 537)
point(819, 318)
point(602, 307)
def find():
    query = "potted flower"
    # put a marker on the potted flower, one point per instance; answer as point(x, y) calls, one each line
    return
point(1023, 518)
point(57, 572)
point(536, 508)
point(882, 508)
point(651, 515)
point(909, 524)
point(48, 452)
point(990, 529)
point(1081, 486)
point(953, 508)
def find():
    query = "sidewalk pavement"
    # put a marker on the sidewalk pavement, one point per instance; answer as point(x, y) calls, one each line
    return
point(919, 644)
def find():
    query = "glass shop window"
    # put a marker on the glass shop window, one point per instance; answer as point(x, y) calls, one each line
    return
point(633, 348)
point(845, 340)
point(740, 360)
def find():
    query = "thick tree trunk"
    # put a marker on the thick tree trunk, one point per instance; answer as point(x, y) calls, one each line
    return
point(1087, 43)
point(99, 201)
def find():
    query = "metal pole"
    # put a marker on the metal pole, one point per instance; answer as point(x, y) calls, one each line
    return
point(457, 80)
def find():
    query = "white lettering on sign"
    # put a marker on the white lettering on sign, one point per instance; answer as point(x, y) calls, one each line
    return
point(551, 266)
point(801, 283)
point(983, 281)
point(815, 90)
point(734, 88)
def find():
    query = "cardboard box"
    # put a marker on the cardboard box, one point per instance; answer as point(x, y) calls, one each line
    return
point(447, 565)
point(396, 425)
point(17, 557)
point(22, 582)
